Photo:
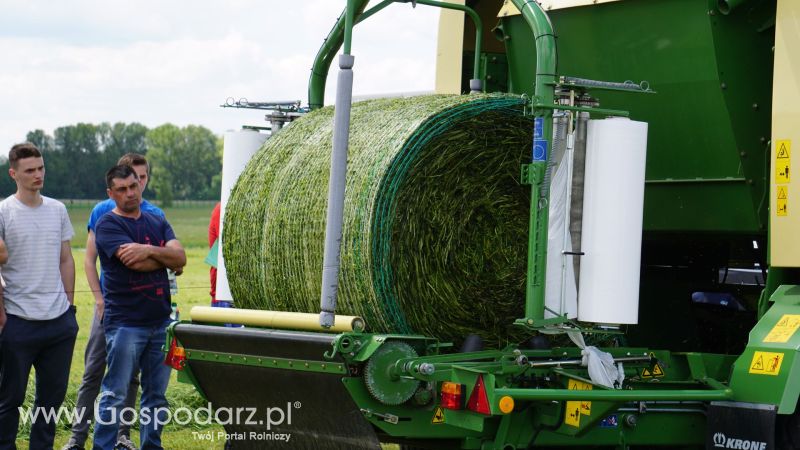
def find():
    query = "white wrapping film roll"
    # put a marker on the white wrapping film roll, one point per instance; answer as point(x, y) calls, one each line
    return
point(557, 242)
point(612, 221)
point(238, 148)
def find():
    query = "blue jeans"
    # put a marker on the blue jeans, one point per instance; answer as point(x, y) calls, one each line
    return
point(131, 349)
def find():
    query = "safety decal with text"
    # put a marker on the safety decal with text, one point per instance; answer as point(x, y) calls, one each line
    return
point(576, 408)
point(784, 329)
point(783, 160)
point(766, 363)
point(438, 415)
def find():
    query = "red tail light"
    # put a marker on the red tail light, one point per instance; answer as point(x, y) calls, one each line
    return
point(176, 356)
point(478, 400)
point(452, 395)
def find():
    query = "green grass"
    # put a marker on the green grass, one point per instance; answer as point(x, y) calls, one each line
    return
point(191, 225)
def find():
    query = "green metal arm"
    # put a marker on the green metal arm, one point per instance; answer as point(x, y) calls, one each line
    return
point(339, 34)
point(544, 39)
point(478, 29)
point(326, 53)
point(615, 395)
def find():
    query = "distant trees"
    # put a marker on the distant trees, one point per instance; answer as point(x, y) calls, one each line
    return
point(186, 163)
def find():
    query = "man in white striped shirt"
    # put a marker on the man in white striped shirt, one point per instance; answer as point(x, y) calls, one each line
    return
point(36, 311)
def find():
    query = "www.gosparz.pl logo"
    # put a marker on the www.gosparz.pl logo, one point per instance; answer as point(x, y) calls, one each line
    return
point(722, 441)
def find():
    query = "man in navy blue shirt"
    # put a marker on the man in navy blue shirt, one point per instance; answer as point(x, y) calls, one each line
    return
point(94, 357)
point(135, 249)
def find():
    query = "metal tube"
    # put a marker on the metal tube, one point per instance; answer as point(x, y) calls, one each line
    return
point(579, 361)
point(349, 17)
point(475, 83)
point(272, 319)
point(336, 184)
point(325, 55)
point(614, 395)
point(368, 13)
point(569, 156)
point(544, 94)
point(324, 58)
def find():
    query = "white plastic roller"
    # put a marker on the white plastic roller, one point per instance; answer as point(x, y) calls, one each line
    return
point(612, 221)
point(238, 148)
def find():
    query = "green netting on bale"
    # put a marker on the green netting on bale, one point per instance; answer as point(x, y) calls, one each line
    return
point(435, 220)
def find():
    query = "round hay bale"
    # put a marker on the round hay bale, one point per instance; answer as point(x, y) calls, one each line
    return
point(435, 232)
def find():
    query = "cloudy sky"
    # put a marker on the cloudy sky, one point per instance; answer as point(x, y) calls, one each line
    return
point(152, 62)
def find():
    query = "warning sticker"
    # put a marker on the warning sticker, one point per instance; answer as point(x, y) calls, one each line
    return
point(576, 408)
point(656, 371)
point(438, 415)
point(784, 149)
point(783, 160)
point(782, 202)
point(784, 329)
point(766, 363)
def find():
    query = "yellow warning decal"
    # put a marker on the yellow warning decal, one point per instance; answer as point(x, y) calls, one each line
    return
point(784, 329)
point(438, 415)
point(782, 203)
point(766, 363)
point(656, 371)
point(576, 408)
point(783, 160)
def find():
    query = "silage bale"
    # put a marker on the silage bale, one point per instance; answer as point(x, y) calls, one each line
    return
point(435, 220)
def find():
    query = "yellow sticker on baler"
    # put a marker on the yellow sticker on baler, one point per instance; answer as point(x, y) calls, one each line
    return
point(783, 160)
point(784, 329)
point(766, 363)
point(438, 415)
point(576, 408)
point(782, 202)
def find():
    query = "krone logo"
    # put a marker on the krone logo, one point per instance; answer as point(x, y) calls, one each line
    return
point(722, 441)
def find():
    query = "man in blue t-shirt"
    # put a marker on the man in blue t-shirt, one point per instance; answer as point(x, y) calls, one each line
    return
point(135, 249)
point(95, 354)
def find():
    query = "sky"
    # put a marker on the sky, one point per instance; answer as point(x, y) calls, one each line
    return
point(153, 62)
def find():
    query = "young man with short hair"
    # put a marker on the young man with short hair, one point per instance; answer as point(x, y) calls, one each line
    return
point(135, 249)
point(95, 354)
point(36, 312)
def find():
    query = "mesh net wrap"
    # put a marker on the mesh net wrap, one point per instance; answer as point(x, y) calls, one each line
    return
point(435, 220)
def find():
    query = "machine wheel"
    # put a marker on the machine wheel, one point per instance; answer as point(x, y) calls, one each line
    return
point(380, 385)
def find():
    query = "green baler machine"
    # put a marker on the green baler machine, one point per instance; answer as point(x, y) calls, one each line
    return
point(712, 361)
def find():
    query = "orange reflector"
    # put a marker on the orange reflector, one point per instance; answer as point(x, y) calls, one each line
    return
point(448, 387)
point(478, 400)
point(452, 396)
point(176, 356)
point(506, 404)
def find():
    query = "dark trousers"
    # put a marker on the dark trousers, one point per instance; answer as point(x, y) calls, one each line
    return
point(47, 346)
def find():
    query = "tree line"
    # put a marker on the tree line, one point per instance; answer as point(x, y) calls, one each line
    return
point(185, 163)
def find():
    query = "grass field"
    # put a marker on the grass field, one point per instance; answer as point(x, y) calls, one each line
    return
point(191, 227)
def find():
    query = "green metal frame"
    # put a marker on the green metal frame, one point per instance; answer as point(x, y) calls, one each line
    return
point(783, 388)
point(341, 34)
point(538, 380)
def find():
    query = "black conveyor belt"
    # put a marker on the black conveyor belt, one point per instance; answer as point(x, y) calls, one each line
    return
point(323, 415)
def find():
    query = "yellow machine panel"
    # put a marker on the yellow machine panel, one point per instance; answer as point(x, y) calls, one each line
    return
point(784, 181)
point(449, 51)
